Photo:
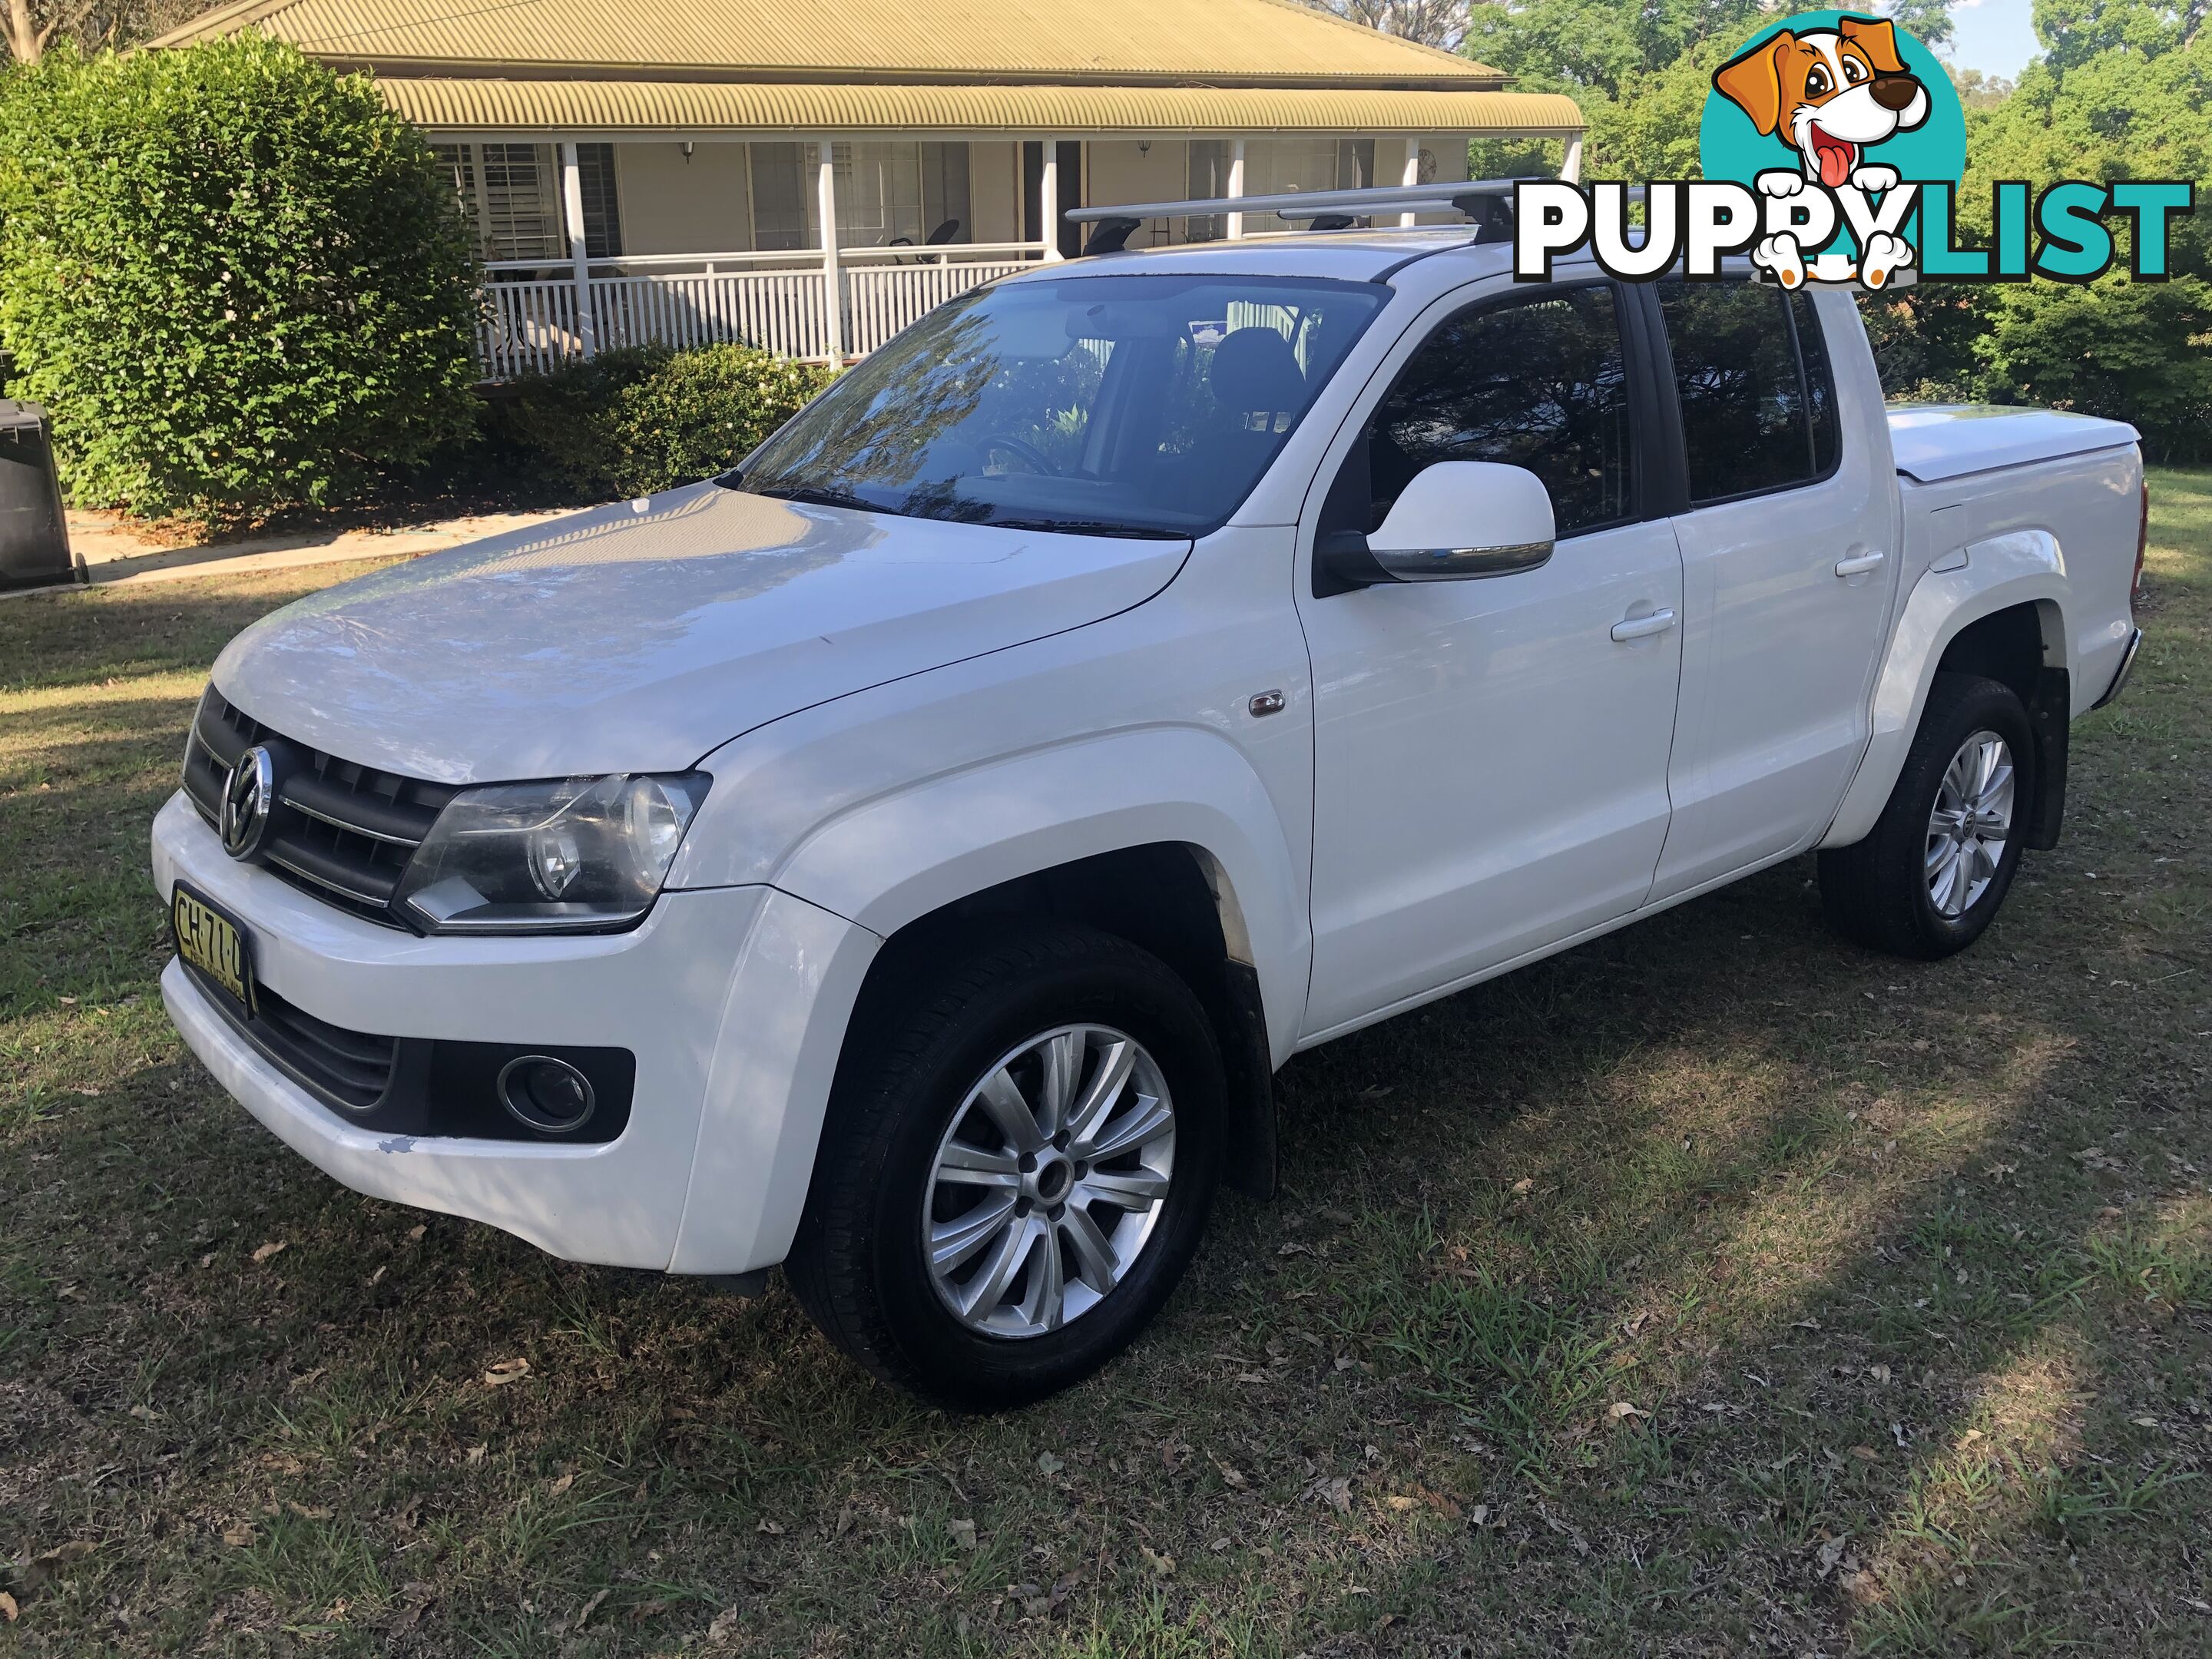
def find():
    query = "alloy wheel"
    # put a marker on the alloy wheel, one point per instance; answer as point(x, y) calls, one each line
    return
point(1050, 1181)
point(1970, 825)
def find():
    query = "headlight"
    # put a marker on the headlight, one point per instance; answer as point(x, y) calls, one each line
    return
point(574, 855)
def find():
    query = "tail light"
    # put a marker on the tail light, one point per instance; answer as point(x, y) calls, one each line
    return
point(2143, 543)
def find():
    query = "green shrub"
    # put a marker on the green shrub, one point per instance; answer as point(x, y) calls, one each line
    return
point(703, 411)
point(2133, 351)
point(237, 279)
point(2140, 108)
point(631, 422)
point(558, 430)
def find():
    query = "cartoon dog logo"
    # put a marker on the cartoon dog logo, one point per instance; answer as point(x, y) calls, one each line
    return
point(1832, 95)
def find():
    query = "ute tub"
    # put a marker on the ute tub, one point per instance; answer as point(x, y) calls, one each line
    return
point(1934, 442)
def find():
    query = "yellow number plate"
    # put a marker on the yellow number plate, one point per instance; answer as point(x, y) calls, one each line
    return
point(214, 944)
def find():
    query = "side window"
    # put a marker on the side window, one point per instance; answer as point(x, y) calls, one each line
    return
point(1754, 417)
point(1538, 383)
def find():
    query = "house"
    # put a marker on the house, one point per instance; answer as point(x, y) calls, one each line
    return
point(811, 177)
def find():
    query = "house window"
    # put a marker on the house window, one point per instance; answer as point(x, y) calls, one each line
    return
point(512, 194)
point(887, 194)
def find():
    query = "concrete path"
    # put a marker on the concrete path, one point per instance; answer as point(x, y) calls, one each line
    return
point(113, 550)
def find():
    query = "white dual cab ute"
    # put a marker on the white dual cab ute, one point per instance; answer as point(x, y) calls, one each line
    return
point(907, 858)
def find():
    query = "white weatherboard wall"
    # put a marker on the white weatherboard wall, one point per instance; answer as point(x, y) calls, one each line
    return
point(1122, 170)
point(669, 205)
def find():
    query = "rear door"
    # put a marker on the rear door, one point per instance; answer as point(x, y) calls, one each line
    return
point(1789, 565)
point(1490, 756)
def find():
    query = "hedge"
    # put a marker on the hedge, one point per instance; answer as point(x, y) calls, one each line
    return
point(631, 422)
point(239, 280)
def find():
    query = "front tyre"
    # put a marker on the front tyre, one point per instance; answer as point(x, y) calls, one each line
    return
point(1930, 876)
point(1021, 1151)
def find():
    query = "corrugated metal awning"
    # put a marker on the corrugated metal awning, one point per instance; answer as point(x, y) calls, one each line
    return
point(610, 109)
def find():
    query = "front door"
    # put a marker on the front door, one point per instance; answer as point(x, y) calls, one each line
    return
point(1790, 564)
point(1490, 761)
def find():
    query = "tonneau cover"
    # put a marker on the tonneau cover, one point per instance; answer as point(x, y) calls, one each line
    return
point(1935, 441)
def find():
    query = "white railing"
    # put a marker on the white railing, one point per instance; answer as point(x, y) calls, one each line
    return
point(881, 300)
point(777, 300)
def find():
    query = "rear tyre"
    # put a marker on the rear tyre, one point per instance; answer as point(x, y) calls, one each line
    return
point(1930, 876)
point(1021, 1151)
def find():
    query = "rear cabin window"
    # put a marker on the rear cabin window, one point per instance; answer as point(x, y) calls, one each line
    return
point(1751, 376)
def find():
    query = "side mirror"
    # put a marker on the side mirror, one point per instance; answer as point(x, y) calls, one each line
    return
point(1457, 520)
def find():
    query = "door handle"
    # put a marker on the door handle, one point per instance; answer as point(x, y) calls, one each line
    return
point(1641, 628)
point(1860, 565)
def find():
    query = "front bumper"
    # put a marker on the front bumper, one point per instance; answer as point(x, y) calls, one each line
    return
point(733, 999)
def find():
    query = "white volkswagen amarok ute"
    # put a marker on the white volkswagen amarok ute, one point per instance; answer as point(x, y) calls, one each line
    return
point(907, 858)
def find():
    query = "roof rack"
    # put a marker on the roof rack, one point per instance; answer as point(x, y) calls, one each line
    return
point(1488, 203)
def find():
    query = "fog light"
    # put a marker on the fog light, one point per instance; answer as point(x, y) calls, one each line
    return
point(548, 1095)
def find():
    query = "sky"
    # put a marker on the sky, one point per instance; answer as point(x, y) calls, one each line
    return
point(1993, 36)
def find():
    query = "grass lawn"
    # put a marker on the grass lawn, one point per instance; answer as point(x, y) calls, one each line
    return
point(1714, 1288)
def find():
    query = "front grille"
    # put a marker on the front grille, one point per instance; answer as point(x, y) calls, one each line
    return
point(341, 831)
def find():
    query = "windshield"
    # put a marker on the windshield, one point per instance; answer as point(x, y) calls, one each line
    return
point(1112, 406)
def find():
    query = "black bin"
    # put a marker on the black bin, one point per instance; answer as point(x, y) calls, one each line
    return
point(33, 535)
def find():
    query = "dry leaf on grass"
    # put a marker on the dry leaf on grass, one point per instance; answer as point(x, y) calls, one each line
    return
point(506, 1371)
point(564, 1484)
point(1049, 1464)
point(725, 1627)
point(1336, 1493)
point(263, 1252)
point(237, 1535)
point(1162, 1564)
point(963, 1532)
point(1621, 1410)
point(8, 1607)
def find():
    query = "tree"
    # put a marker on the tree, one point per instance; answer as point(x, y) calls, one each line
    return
point(29, 27)
point(2139, 106)
point(1580, 46)
point(238, 279)
point(2114, 348)
point(1977, 90)
point(2074, 31)
point(1602, 46)
point(1928, 22)
point(1432, 23)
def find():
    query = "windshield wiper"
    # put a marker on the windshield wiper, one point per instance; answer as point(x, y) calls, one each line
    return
point(808, 496)
point(1091, 527)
